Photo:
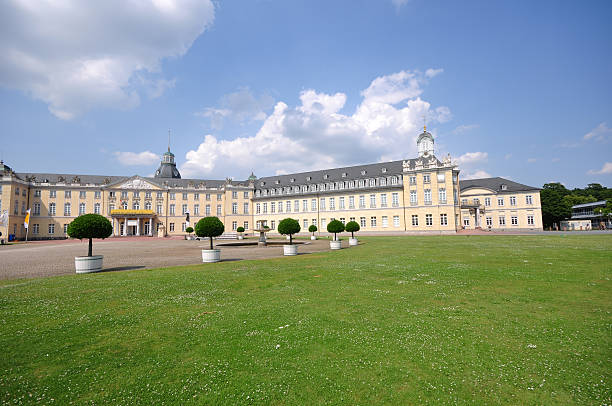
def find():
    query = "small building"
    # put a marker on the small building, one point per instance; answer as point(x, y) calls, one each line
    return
point(586, 212)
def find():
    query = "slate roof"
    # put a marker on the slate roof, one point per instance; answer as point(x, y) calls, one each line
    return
point(335, 174)
point(495, 184)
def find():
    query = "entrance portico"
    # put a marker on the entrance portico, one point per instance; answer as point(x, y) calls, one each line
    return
point(133, 222)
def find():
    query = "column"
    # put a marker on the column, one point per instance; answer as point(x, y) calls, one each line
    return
point(151, 227)
point(137, 227)
point(477, 217)
point(124, 227)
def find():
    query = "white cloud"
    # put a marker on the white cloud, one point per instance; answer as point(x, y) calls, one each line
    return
point(316, 134)
point(430, 73)
point(476, 175)
point(599, 133)
point(472, 157)
point(399, 3)
point(605, 169)
point(240, 106)
point(80, 55)
point(556, 159)
point(531, 160)
point(136, 158)
point(464, 128)
point(507, 156)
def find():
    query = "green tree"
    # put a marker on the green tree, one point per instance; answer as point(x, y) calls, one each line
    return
point(289, 227)
point(240, 229)
point(209, 227)
point(335, 226)
point(352, 227)
point(553, 207)
point(313, 229)
point(90, 226)
point(189, 230)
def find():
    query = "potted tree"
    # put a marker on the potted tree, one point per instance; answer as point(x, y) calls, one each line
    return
point(89, 226)
point(352, 227)
point(313, 229)
point(240, 231)
point(289, 227)
point(189, 231)
point(335, 226)
point(210, 227)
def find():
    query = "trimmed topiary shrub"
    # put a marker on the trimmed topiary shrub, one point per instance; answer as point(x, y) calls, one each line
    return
point(335, 226)
point(352, 227)
point(289, 227)
point(240, 229)
point(189, 230)
point(90, 226)
point(313, 229)
point(209, 227)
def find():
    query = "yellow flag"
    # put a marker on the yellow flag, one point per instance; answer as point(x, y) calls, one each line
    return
point(26, 221)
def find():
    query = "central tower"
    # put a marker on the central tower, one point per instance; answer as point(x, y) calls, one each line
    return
point(425, 143)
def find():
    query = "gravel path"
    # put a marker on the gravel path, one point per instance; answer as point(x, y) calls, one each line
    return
point(50, 258)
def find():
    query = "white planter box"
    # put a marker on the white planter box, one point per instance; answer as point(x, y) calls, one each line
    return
point(353, 241)
point(335, 245)
point(288, 238)
point(88, 264)
point(240, 237)
point(313, 237)
point(211, 256)
point(290, 249)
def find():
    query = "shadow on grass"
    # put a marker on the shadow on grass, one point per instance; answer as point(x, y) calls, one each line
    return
point(123, 268)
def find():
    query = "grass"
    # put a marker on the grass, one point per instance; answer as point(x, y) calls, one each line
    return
point(397, 320)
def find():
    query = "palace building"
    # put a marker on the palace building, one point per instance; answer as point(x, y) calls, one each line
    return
point(418, 195)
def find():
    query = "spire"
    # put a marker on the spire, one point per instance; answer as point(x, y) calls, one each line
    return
point(168, 140)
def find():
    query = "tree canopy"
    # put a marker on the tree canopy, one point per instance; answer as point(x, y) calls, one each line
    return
point(209, 227)
point(335, 226)
point(90, 226)
point(557, 200)
point(352, 227)
point(289, 227)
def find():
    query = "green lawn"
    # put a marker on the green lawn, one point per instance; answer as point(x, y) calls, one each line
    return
point(397, 320)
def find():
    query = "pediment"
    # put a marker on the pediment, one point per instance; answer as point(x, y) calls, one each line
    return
point(135, 183)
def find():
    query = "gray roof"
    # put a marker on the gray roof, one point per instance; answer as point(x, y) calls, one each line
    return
point(600, 203)
point(335, 174)
point(495, 184)
point(167, 170)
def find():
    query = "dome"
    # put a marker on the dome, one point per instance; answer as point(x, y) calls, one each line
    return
point(167, 167)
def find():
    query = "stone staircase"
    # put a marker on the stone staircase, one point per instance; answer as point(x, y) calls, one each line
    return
point(228, 236)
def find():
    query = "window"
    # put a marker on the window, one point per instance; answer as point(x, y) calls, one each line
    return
point(476, 201)
point(53, 193)
point(219, 210)
point(159, 209)
point(207, 210)
point(172, 209)
point(341, 203)
point(373, 221)
point(396, 221)
point(372, 201)
point(512, 200)
point(16, 191)
point(235, 208)
point(394, 180)
point(234, 225)
point(351, 202)
point(362, 222)
point(185, 209)
point(412, 180)
point(530, 221)
point(196, 209)
point(385, 221)
point(489, 221)
point(395, 199)
point(97, 194)
point(171, 227)
point(111, 207)
point(67, 209)
point(372, 182)
point(427, 196)
point(362, 201)
point(219, 197)
point(36, 193)
point(258, 208)
point(466, 222)
point(487, 201)
point(288, 206)
point(313, 204)
point(160, 195)
point(207, 196)
point(246, 224)
point(16, 211)
point(500, 201)
point(426, 178)
point(502, 220)
point(183, 226)
point(415, 220)
point(413, 198)
point(147, 195)
point(136, 205)
point(51, 209)
point(234, 194)
point(304, 205)
point(332, 203)
point(305, 224)
point(314, 222)
point(35, 228)
point(246, 196)
point(184, 197)
point(67, 194)
point(245, 207)
point(440, 178)
point(265, 208)
point(443, 219)
point(514, 220)
point(383, 200)
point(97, 208)
point(322, 203)
point(429, 220)
point(296, 206)
point(124, 205)
point(442, 195)
point(23, 208)
point(124, 195)
point(529, 199)
point(65, 228)
point(323, 222)
point(36, 209)
point(51, 228)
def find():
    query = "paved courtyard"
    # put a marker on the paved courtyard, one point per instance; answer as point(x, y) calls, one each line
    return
point(50, 258)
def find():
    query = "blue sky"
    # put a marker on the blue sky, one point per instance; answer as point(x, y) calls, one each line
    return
point(517, 89)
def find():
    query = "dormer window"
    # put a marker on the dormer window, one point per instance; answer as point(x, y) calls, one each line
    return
point(277, 181)
point(308, 178)
point(326, 176)
point(344, 175)
point(292, 180)
point(384, 170)
point(504, 187)
point(262, 183)
point(363, 172)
